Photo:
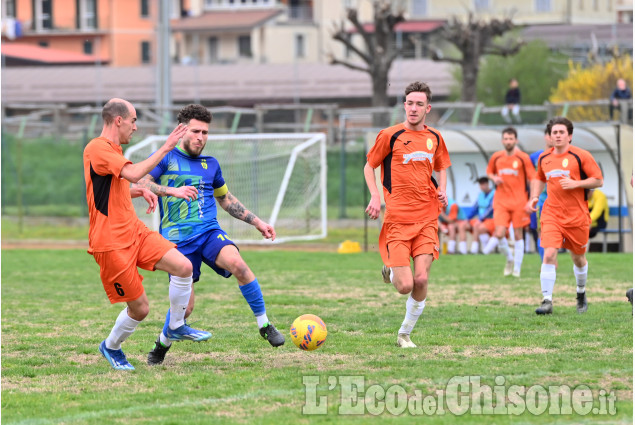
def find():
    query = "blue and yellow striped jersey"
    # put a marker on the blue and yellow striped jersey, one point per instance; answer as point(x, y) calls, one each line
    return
point(182, 219)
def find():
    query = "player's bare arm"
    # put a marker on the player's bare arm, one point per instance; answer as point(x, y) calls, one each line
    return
point(441, 192)
point(189, 193)
point(374, 206)
point(537, 186)
point(236, 209)
point(151, 198)
point(135, 172)
point(590, 183)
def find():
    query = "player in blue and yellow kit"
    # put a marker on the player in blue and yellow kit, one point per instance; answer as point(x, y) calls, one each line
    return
point(188, 183)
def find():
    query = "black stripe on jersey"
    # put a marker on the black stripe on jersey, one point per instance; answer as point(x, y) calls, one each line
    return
point(438, 143)
point(541, 158)
point(388, 161)
point(101, 190)
point(583, 175)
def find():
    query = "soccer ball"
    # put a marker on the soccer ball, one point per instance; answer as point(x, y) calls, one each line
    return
point(308, 332)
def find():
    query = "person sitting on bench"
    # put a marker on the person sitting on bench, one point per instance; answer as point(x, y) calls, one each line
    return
point(599, 211)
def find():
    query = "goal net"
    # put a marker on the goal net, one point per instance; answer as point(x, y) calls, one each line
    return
point(280, 177)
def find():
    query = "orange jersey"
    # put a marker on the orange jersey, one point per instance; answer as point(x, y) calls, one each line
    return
point(516, 170)
point(407, 159)
point(112, 218)
point(568, 208)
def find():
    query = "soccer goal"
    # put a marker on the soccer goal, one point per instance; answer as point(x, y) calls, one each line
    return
point(280, 177)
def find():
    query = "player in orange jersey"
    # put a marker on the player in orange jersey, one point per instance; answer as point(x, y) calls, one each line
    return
point(568, 172)
point(120, 242)
point(511, 171)
point(408, 153)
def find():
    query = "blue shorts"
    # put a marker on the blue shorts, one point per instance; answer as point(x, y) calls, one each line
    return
point(204, 249)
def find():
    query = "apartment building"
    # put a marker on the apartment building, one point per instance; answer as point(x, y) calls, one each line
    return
point(116, 32)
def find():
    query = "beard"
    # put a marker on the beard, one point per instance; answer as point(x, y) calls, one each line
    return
point(191, 150)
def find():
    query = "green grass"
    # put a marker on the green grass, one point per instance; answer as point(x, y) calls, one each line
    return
point(476, 323)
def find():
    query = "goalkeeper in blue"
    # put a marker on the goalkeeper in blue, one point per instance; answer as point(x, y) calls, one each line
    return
point(187, 183)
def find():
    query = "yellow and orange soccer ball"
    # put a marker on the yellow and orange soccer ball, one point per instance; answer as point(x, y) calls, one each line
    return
point(308, 332)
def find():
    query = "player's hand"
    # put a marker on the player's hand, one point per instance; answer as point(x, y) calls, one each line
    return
point(175, 136)
point(443, 198)
point(267, 230)
point(151, 199)
point(497, 180)
point(531, 205)
point(189, 193)
point(568, 184)
point(373, 208)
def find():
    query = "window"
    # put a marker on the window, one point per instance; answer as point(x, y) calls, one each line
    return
point(481, 5)
point(419, 7)
point(543, 5)
point(87, 14)
point(145, 52)
point(88, 47)
point(42, 15)
point(244, 46)
point(145, 9)
point(8, 9)
point(212, 49)
point(300, 50)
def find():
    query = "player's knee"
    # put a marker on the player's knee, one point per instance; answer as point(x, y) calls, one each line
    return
point(421, 280)
point(139, 311)
point(239, 268)
point(405, 288)
point(184, 268)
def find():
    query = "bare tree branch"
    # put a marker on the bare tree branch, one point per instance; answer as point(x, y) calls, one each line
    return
point(342, 36)
point(351, 14)
point(334, 61)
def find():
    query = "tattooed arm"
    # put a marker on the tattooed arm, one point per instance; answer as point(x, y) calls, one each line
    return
point(233, 206)
point(184, 192)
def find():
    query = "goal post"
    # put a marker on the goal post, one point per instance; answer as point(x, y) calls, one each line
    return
point(280, 177)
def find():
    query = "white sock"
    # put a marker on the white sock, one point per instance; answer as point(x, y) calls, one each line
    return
point(413, 311)
point(491, 244)
point(503, 248)
point(484, 238)
point(580, 277)
point(451, 246)
point(463, 247)
point(180, 291)
point(519, 252)
point(124, 327)
point(474, 248)
point(547, 280)
point(261, 320)
point(164, 339)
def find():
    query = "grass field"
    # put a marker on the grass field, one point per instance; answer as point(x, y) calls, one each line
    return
point(476, 323)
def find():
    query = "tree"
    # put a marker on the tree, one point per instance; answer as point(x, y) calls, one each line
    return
point(380, 50)
point(592, 83)
point(536, 78)
point(474, 39)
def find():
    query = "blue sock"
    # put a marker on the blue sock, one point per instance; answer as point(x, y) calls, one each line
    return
point(541, 251)
point(253, 295)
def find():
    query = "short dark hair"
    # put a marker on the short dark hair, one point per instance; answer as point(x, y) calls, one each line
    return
point(564, 121)
point(483, 180)
point(548, 127)
point(418, 86)
point(113, 109)
point(510, 130)
point(196, 112)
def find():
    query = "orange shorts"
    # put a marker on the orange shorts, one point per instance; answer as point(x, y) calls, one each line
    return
point(519, 218)
point(399, 241)
point(118, 269)
point(575, 239)
point(488, 223)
